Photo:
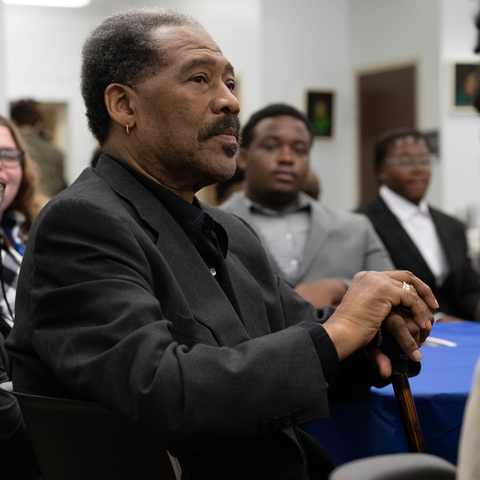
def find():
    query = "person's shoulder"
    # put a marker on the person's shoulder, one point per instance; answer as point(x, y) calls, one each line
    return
point(340, 217)
point(445, 218)
point(370, 207)
point(37, 143)
point(233, 204)
point(87, 191)
point(226, 218)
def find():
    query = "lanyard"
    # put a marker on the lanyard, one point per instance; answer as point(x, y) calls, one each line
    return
point(8, 231)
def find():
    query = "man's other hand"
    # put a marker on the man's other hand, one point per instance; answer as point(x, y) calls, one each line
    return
point(323, 292)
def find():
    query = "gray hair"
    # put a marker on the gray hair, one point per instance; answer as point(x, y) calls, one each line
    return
point(122, 50)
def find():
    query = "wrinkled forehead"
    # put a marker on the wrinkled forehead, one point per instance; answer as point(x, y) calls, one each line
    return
point(181, 43)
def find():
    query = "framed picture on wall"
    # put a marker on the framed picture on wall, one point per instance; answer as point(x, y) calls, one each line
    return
point(463, 81)
point(320, 106)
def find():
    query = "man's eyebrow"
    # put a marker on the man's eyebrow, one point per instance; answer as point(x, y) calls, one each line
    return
point(200, 62)
point(229, 69)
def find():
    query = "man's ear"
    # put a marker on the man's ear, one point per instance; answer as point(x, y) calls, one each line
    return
point(242, 158)
point(119, 104)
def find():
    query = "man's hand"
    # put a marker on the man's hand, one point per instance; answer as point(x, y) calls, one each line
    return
point(394, 323)
point(369, 301)
point(324, 292)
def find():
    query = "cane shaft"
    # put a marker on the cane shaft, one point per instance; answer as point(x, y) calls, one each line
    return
point(408, 413)
point(403, 394)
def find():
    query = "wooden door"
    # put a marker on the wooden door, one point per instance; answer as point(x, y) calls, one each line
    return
point(387, 99)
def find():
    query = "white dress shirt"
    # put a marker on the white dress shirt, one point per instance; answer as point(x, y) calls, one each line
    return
point(418, 223)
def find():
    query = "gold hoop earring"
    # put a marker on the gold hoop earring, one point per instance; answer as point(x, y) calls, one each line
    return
point(128, 131)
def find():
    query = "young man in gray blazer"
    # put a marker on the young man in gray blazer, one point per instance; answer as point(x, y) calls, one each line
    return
point(134, 294)
point(313, 247)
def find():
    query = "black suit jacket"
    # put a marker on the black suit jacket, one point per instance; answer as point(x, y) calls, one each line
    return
point(460, 292)
point(114, 303)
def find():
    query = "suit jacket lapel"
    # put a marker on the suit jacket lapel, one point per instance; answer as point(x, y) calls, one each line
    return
point(199, 287)
point(448, 240)
point(244, 212)
point(396, 237)
point(249, 295)
point(320, 225)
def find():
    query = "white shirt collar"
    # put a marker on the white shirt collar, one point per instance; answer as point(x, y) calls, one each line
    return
point(402, 208)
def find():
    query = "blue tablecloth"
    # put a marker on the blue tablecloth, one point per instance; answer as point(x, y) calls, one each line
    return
point(371, 425)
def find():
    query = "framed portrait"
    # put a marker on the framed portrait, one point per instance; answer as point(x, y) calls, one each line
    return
point(463, 80)
point(320, 106)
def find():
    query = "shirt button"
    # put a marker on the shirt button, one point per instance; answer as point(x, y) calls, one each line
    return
point(288, 236)
point(213, 271)
point(294, 262)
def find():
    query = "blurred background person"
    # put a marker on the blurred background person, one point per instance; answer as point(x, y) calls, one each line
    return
point(18, 209)
point(29, 119)
point(224, 190)
point(315, 248)
point(429, 243)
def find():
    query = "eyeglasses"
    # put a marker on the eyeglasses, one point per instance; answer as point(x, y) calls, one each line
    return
point(11, 157)
point(424, 161)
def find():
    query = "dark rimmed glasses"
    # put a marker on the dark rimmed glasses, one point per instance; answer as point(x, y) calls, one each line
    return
point(424, 161)
point(11, 157)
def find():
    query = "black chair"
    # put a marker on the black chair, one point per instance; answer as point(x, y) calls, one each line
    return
point(78, 440)
point(401, 466)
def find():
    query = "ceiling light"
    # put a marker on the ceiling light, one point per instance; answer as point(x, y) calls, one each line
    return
point(50, 3)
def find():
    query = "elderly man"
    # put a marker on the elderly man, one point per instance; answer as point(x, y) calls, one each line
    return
point(135, 294)
point(315, 248)
point(420, 238)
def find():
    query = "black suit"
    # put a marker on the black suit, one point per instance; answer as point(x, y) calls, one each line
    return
point(460, 292)
point(115, 303)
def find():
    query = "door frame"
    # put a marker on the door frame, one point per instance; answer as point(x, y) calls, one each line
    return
point(379, 68)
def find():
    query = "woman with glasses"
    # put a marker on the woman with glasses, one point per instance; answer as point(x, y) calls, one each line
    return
point(19, 205)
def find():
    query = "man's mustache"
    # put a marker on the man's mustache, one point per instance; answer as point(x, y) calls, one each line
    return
point(219, 126)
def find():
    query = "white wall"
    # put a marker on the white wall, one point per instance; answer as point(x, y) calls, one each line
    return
point(460, 141)
point(3, 101)
point(304, 45)
point(388, 32)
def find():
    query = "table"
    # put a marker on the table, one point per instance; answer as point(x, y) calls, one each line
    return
point(371, 425)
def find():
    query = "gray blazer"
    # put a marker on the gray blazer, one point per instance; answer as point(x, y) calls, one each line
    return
point(340, 243)
point(115, 304)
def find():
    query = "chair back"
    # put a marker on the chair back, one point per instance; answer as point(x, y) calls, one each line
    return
point(399, 466)
point(79, 440)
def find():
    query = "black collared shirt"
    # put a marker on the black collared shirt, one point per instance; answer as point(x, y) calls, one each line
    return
point(209, 237)
point(211, 241)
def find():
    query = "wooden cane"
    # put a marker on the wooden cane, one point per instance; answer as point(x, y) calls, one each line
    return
point(403, 394)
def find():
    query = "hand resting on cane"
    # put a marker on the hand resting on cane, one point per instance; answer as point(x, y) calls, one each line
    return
point(378, 297)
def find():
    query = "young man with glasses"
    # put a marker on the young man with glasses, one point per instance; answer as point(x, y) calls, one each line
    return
point(429, 243)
